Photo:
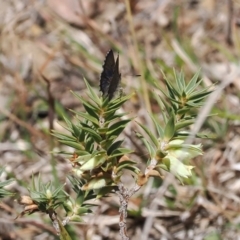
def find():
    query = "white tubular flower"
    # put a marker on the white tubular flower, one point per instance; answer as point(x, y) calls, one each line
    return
point(178, 154)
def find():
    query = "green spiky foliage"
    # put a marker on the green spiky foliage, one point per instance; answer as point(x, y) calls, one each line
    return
point(78, 206)
point(45, 196)
point(167, 149)
point(98, 158)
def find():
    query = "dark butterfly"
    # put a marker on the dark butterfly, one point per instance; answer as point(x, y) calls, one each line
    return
point(110, 76)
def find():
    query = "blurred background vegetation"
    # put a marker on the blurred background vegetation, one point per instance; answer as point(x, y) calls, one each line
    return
point(48, 47)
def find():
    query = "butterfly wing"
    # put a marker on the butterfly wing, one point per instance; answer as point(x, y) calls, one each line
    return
point(115, 80)
point(107, 73)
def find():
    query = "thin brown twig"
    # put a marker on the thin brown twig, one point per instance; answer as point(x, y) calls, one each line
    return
point(51, 109)
point(124, 196)
point(230, 8)
point(35, 223)
point(22, 123)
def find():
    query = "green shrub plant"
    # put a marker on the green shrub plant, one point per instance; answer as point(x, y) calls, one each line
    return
point(99, 159)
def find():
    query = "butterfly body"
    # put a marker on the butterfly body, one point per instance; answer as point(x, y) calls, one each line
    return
point(110, 76)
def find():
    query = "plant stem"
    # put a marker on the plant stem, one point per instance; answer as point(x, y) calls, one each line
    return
point(124, 195)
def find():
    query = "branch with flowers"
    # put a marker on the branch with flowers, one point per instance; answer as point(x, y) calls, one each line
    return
point(99, 158)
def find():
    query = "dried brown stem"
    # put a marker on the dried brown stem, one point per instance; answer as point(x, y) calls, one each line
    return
point(230, 8)
point(124, 195)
